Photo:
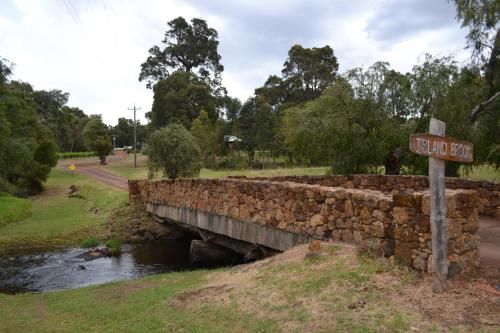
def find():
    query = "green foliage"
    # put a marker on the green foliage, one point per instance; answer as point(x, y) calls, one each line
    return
point(306, 73)
point(187, 47)
point(114, 245)
point(481, 17)
point(75, 154)
point(27, 148)
point(350, 134)
point(13, 209)
point(206, 136)
point(124, 132)
point(174, 151)
point(96, 137)
point(179, 98)
point(90, 242)
point(257, 125)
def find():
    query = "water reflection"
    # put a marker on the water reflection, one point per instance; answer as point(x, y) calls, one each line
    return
point(70, 269)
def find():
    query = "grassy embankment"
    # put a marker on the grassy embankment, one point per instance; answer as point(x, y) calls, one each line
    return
point(13, 209)
point(56, 220)
point(337, 291)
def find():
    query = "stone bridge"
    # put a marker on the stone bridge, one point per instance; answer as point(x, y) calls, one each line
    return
point(280, 212)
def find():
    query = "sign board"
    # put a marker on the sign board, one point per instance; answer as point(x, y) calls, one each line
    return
point(72, 167)
point(440, 147)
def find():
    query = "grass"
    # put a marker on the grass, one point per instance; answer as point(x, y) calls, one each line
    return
point(57, 220)
point(338, 291)
point(13, 209)
point(114, 245)
point(484, 172)
point(92, 241)
point(125, 168)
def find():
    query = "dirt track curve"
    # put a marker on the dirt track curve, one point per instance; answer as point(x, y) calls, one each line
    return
point(92, 169)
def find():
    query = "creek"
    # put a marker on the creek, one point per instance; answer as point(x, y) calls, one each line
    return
point(75, 268)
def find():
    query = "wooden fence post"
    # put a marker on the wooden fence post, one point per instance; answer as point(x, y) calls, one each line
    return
point(439, 223)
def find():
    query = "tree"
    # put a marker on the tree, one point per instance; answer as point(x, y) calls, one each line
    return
point(482, 17)
point(179, 98)
point(352, 135)
point(96, 138)
point(174, 151)
point(258, 126)
point(187, 47)
point(74, 122)
point(306, 73)
point(27, 148)
point(232, 112)
point(206, 135)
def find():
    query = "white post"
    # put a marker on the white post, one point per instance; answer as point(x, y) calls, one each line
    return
point(439, 224)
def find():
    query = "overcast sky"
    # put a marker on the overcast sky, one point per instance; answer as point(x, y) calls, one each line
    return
point(93, 48)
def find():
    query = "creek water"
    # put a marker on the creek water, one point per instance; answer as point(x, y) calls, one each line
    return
point(74, 268)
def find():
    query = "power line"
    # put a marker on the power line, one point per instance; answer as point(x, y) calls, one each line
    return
point(74, 15)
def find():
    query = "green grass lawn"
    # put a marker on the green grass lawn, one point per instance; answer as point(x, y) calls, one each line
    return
point(13, 209)
point(57, 220)
point(484, 172)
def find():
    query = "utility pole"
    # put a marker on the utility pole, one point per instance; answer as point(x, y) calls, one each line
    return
point(135, 136)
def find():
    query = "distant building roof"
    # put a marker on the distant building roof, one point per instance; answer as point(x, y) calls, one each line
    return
point(231, 138)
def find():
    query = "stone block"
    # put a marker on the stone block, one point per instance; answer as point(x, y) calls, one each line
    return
point(348, 208)
point(377, 229)
point(364, 213)
point(347, 235)
point(316, 220)
point(402, 215)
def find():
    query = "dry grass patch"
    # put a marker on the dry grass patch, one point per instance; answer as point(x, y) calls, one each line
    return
point(337, 290)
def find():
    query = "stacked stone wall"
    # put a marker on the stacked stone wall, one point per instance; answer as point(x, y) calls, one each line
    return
point(488, 192)
point(399, 223)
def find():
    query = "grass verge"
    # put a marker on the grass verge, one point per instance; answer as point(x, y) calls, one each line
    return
point(57, 220)
point(13, 209)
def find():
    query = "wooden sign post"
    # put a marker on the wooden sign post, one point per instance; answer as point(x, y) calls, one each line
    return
point(439, 149)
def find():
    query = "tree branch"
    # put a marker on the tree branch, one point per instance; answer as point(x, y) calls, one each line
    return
point(484, 106)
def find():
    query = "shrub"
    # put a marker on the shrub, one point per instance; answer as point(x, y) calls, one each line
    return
point(65, 155)
point(174, 151)
point(114, 245)
point(90, 242)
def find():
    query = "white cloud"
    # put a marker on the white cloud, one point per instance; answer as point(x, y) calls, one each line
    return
point(93, 49)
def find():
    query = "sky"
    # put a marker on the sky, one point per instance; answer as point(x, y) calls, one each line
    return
point(93, 49)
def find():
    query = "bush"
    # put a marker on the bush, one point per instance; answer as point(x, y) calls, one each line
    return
point(90, 242)
point(65, 155)
point(174, 151)
point(96, 138)
point(114, 245)
point(230, 162)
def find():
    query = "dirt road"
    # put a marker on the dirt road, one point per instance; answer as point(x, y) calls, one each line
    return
point(90, 167)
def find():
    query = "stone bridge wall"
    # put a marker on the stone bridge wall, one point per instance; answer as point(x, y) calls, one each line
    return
point(399, 223)
point(488, 192)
